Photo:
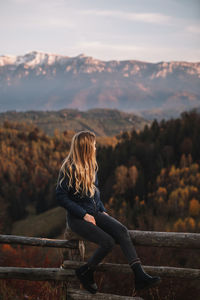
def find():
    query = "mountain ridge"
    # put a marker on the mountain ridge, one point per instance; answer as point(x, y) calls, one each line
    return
point(47, 58)
point(53, 82)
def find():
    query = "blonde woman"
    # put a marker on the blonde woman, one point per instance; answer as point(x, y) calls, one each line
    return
point(78, 192)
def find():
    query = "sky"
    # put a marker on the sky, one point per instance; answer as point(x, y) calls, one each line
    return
point(145, 30)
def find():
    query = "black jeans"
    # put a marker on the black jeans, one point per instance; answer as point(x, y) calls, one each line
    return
point(107, 232)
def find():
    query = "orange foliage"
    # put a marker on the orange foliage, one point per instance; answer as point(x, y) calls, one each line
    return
point(186, 225)
point(9, 249)
point(19, 256)
point(194, 207)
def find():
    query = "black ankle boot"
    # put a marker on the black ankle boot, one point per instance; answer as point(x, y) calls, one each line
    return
point(86, 276)
point(142, 279)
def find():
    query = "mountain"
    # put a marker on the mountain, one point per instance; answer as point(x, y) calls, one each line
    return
point(42, 81)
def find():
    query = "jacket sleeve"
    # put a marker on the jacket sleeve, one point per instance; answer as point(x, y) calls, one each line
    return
point(101, 208)
point(63, 198)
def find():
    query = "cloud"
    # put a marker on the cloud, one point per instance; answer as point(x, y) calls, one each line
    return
point(104, 46)
point(152, 53)
point(54, 22)
point(156, 18)
point(193, 29)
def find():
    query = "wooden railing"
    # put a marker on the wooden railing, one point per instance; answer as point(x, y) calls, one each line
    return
point(73, 256)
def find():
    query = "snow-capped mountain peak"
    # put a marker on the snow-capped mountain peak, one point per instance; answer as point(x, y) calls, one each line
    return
point(87, 64)
point(32, 59)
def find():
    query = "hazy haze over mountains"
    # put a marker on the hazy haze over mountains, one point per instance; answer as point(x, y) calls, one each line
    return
point(42, 81)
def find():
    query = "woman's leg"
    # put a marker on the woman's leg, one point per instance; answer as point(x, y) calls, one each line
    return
point(95, 234)
point(120, 234)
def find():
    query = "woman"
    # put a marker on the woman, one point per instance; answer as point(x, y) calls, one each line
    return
point(77, 191)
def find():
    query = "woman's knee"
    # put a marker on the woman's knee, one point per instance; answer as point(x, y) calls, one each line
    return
point(123, 231)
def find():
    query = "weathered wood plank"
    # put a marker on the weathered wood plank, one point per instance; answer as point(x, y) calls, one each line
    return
point(68, 271)
point(35, 274)
point(73, 294)
point(166, 239)
point(33, 241)
point(153, 270)
point(173, 272)
point(145, 238)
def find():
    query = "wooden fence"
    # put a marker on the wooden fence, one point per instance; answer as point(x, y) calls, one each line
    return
point(74, 257)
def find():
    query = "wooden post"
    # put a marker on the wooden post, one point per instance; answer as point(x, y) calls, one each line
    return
point(78, 252)
point(73, 254)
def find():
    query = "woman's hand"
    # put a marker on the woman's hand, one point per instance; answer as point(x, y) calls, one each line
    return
point(89, 218)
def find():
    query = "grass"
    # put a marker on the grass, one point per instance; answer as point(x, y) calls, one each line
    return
point(48, 224)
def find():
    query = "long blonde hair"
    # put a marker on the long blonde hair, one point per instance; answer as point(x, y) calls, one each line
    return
point(82, 160)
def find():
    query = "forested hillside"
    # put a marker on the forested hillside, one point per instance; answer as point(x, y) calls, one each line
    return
point(153, 177)
point(30, 161)
point(104, 122)
point(148, 179)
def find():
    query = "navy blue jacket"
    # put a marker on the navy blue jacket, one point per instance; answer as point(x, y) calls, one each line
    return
point(75, 204)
